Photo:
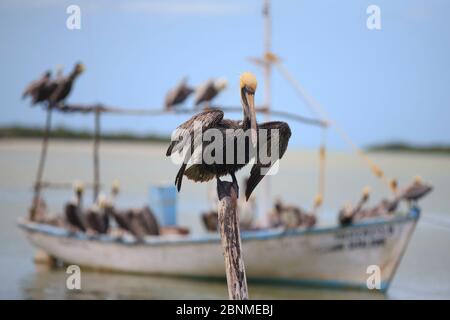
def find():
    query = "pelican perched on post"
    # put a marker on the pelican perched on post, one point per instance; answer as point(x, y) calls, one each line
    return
point(64, 85)
point(209, 90)
point(38, 90)
point(233, 135)
point(178, 95)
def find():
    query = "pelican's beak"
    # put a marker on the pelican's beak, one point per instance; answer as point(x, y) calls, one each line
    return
point(249, 96)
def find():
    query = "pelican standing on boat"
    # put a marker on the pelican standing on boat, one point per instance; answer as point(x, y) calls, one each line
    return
point(416, 190)
point(348, 214)
point(194, 166)
point(309, 219)
point(73, 210)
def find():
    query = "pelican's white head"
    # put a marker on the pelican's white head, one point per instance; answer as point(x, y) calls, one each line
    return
point(102, 202)
point(78, 186)
point(115, 188)
point(318, 200)
point(418, 179)
point(220, 84)
point(366, 191)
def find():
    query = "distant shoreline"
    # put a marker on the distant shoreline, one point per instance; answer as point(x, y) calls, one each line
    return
point(21, 132)
point(408, 147)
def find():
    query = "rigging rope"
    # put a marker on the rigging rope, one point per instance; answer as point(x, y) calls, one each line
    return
point(322, 158)
point(318, 109)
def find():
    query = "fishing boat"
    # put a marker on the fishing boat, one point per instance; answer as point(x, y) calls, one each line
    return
point(333, 256)
point(323, 256)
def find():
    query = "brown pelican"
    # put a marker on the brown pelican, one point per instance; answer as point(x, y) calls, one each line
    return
point(231, 132)
point(97, 217)
point(149, 221)
point(415, 190)
point(140, 223)
point(287, 216)
point(38, 90)
point(73, 210)
point(385, 207)
point(121, 218)
point(348, 214)
point(178, 95)
point(209, 90)
point(64, 85)
point(309, 219)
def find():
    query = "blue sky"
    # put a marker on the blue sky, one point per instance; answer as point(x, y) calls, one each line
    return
point(391, 84)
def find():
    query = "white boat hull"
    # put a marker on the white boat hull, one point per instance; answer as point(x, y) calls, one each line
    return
point(321, 256)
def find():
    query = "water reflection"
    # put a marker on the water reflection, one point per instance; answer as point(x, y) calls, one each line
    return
point(50, 283)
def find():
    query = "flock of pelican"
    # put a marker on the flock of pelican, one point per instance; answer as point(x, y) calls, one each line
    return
point(98, 218)
point(52, 91)
point(204, 94)
point(387, 207)
point(141, 222)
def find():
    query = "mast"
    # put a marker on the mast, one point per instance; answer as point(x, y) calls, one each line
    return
point(266, 202)
point(40, 171)
point(96, 156)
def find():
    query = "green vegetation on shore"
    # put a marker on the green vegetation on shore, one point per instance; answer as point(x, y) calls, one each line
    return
point(65, 133)
point(407, 147)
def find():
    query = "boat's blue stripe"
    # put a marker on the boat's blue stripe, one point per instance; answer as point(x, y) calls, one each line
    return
point(413, 214)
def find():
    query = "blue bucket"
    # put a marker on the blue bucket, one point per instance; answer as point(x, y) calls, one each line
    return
point(163, 201)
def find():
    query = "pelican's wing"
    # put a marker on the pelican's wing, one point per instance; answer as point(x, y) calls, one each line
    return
point(34, 86)
point(260, 169)
point(203, 92)
point(185, 137)
point(207, 119)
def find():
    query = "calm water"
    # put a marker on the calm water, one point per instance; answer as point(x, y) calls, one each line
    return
point(424, 271)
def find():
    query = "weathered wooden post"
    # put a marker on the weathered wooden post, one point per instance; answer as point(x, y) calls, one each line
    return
point(231, 241)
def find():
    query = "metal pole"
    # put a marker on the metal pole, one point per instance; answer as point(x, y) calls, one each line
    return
point(41, 165)
point(96, 156)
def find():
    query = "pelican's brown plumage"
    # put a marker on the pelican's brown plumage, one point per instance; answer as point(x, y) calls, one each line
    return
point(348, 214)
point(209, 90)
point(309, 219)
point(39, 90)
point(416, 190)
point(178, 95)
point(73, 210)
point(64, 85)
point(194, 166)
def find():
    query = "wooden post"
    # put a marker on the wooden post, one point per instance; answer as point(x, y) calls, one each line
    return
point(231, 241)
point(96, 157)
point(41, 165)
